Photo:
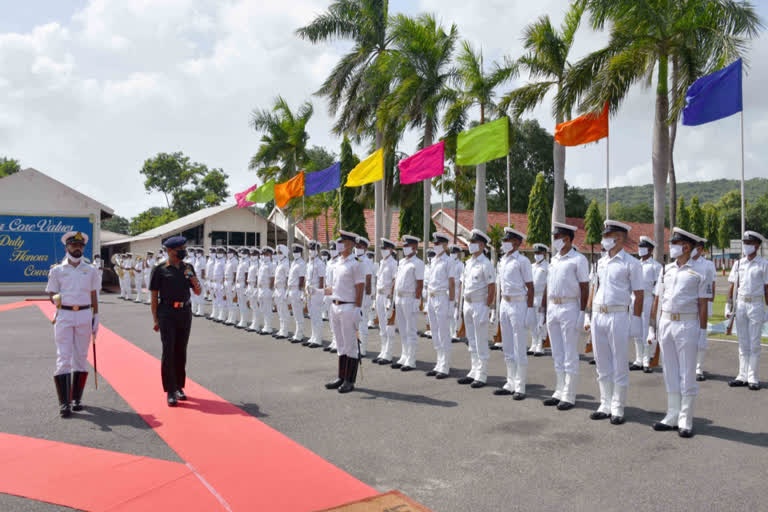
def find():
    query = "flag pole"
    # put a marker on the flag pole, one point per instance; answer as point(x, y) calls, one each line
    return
point(743, 202)
point(509, 215)
point(607, 178)
point(442, 179)
point(340, 208)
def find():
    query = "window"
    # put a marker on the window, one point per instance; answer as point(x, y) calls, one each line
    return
point(236, 238)
point(250, 239)
point(219, 238)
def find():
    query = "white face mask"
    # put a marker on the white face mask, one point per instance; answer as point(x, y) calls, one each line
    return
point(695, 252)
point(558, 244)
point(218, 256)
point(385, 253)
point(473, 248)
point(297, 254)
point(312, 253)
point(407, 250)
point(454, 256)
point(334, 253)
point(538, 257)
point(643, 252)
point(675, 251)
point(748, 249)
point(506, 247)
point(438, 250)
point(339, 247)
point(608, 243)
point(359, 252)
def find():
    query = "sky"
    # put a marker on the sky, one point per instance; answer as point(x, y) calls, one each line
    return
point(89, 89)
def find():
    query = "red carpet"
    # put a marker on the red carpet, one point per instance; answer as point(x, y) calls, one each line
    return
point(248, 465)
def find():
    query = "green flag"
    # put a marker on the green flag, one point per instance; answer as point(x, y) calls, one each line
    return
point(483, 143)
point(263, 194)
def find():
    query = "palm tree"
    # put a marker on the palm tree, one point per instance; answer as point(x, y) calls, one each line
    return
point(283, 149)
point(546, 62)
point(357, 85)
point(422, 58)
point(702, 35)
point(477, 87)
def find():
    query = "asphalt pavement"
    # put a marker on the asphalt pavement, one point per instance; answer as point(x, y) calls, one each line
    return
point(447, 446)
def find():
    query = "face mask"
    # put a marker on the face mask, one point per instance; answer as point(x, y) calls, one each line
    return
point(675, 251)
point(748, 249)
point(385, 253)
point(608, 243)
point(334, 253)
point(297, 254)
point(312, 253)
point(438, 250)
point(558, 244)
point(473, 248)
point(339, 247)
point(324, 257)
point(407, 250)
point(359, 252)
point(181, 254)
point(538, 257)
point(454, 256)
point(506, 247)
point(694, 252)
point(219, 256)
point(643, 252)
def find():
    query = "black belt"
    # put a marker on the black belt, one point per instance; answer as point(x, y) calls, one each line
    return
point(175, 305)
point(340, 303)
point(76, 308)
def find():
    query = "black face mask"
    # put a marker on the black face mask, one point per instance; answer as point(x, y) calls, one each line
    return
point(181, 253)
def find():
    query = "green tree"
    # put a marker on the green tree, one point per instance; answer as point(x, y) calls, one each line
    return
point(151, 218)
point(352, 214)
point(496, 234)
point(539, 214)
point(546, 61)
point(186, 185)
point(8, 166)
point(593, 225)
point(684, 219)
point(117, 224)
point(711, 224)
point(696, 216)
point(757, 215)
point(700, 35)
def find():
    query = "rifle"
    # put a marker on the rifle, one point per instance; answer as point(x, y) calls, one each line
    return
point(731, 320)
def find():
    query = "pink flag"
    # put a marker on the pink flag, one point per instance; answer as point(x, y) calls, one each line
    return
point(427, 163)
point(240, 197)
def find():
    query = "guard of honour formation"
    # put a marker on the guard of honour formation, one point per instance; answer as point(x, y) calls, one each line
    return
point(622, 298)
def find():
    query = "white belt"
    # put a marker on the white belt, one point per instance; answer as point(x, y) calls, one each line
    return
point(562, 300)
point(679, 317)
point(514, 298)
point(476, 300)
point(538, 294)
point(438, 293)
point(751, 298)
point(602, 308)
point(410, 295)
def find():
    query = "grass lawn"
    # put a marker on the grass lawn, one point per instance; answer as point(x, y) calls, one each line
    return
point(718, 315)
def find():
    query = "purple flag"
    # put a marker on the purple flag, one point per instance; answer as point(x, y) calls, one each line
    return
point(426, 164)
point(323, 181)
point(714, 96)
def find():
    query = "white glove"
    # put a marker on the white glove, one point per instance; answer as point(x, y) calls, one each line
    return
point(582, 320)
point(651, 334)
point(636, 327)
point(389, 304)
point(728, 310)
point(530, 318)
point(587, 323)
point(95, 324)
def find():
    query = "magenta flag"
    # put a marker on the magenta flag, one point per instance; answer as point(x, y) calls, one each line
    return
point(426, 164)
point(240, 197)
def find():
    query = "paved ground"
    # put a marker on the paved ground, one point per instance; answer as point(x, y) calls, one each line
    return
point(448, 446)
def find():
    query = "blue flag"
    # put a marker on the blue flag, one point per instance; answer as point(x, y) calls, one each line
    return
point(323, 181)
point(714, 96)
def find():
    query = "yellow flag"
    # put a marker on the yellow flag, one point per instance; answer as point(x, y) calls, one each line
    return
point(369, 170)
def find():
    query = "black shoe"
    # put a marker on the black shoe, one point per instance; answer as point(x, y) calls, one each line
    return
point(598, 415)
point(376, 360)
point(396, 366)
point(662, 427)
point(564, 406)
point(466, 380)
point(617, 420)
point(549, 402)
point(306, 343)
point(502, 392)
point(441, 376)
point(334, 351)
point(538, 354)
point(180, 395)
point(518, 396)
point(635, 367)
point(383, 362)
point(647, 369)
point(406, 368)
point(495, 347)
point(340, 374)
point(754, 387)
point(294, 340)
point(736, 383)
point(592, 361)
point(334, 384)
point(280, 337)
point(172, 400)
point(78, 385)
point(327, 349)
point(530, 352)
point(64, 391)
point(346, 387)
point(700, 377)
point(684, 432)
point(431, 373)
point(477, 385)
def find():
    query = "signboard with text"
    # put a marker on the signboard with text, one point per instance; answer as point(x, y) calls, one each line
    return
point(31, 244)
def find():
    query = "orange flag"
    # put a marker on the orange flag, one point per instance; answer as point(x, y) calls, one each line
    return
point(582, 130)
point(284, 192)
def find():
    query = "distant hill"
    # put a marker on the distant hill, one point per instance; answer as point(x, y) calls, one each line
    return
point(708, 191)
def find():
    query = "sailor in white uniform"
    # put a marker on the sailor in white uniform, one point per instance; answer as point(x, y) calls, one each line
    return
point(540, 269)
point(252, 290)
point(458, 273)
point(315, 286)
point(361, 246)
point(241, 286)
point(385, 285)
point(297, 275)
point(266, 286)
point(409, 282)
point(645, 345)
point(282, 267)
point(707, 268)
point(442, 291)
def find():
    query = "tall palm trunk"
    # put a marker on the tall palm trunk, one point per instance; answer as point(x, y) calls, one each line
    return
point(558, 202)
point(480, 218)
point(378, 207)
point(314, 228)
point(456, 204)
point(672, 137)
point(660, 157)
point(428, 129)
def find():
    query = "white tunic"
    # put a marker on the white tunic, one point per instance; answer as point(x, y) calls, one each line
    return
point(266, 273)
point(540, 273)
point(565, 274)
point(74, 284)
point(514, 271)
point(651, 272)
point(281, 274)
point(618, 277)
point(441, 270)
point(409, 270)
point(681, 287)
point(752, 275)
point(478, 274)
point(347, 273)
point(315, 271)
point(297, 270)
point(385, 276)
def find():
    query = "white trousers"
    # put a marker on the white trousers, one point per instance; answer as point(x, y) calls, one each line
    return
point(538, 333)
point(610, 342)
point(253, 302)
point(283, 315)
point(641, 345)
point(679, 342)
point(138, 282)
point(564, 336)
point(407, 310)
point(362, 327)
point(218, 295)
point(749, 324)
point(476, 322)
point(315, 307)
point(344, 321)
point(439, 312)
point(297, 307)
point(386, 332)
point(265, 304)
point(72, 333)
point(242, 301)
point(513, 332)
